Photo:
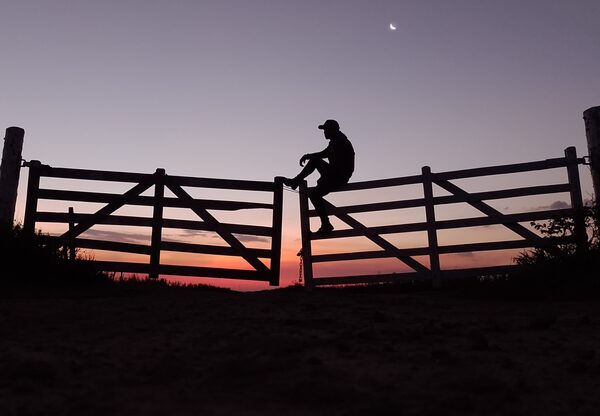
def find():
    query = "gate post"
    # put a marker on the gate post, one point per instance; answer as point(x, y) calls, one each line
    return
point(591, 116)
point(306, 252)
point(10, 171)
point(157, 223)
point(72, 251)
point(434, 255)
point(276, 230)
point(576, 198)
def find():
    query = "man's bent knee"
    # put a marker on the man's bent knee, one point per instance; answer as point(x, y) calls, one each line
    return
point(320, 165)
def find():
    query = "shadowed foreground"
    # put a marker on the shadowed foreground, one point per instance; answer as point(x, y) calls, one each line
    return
point(329, 352)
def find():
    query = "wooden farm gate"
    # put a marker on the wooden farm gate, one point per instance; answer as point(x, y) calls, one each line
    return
point(160, 181)
point(428, 201)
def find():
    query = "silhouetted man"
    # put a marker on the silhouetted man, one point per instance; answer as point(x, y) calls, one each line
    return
point(334, 174)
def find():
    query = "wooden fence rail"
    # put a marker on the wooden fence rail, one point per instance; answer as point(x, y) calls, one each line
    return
point(527, 238)
point(78, 223)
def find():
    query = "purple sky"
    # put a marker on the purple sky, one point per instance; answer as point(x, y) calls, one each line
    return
point(236, 89)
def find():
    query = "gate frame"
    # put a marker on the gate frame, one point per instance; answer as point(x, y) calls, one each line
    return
point(443, 179)
point(79, 223)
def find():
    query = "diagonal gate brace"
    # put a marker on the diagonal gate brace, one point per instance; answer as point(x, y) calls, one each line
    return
point(218, 227)
point(105, 211)
point(377, 239)
point(487, 210)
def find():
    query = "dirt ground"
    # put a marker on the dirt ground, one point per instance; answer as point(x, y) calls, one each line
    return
point(292, 352)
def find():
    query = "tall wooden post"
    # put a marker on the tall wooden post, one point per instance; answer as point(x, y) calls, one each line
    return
point(10, 171)
point(434, 255)
point(591, 116)
point(576, 198)
point(306, 240)
point(276, 230)
point(157, 223)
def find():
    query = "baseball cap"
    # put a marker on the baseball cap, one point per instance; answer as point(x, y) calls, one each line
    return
point(330, 125)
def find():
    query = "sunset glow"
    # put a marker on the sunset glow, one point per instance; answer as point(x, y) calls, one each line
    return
point(173, 87)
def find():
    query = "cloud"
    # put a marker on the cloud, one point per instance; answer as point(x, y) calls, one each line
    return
point(195, 233)
point(213, 235)
point(560, 205)
point(554, 205)
point(252, 238)
point(184, 236)
point(117, 236)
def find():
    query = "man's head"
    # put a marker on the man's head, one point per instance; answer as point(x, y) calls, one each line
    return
point(330, 125)
point(330, 128)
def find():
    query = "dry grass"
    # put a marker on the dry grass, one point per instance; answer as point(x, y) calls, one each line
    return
point(78, 343)
point(329, 352)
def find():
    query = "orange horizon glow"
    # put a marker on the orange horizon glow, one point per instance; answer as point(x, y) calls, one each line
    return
point(290, 265)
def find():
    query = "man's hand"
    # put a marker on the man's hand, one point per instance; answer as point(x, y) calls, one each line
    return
point(304, 159)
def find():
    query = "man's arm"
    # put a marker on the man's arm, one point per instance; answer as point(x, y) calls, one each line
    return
point(318, 155)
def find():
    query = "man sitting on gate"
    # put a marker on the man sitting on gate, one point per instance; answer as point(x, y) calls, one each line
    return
point(334, 174)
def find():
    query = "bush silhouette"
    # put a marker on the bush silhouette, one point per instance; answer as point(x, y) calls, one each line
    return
point(561, 227)
point(34, 264)
point(564, 269)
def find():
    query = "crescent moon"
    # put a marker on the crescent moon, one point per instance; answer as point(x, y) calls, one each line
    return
point(392, 27)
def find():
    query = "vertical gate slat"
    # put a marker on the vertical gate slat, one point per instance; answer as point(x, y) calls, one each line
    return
point(434, 255)
point(305, 231)
point(276, 230)
point(157, 223)
point(33, 187)
point(71, 226)
point(576, 198)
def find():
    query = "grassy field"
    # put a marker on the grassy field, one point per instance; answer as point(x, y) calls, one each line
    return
point(76, 342)
point(178, 351)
